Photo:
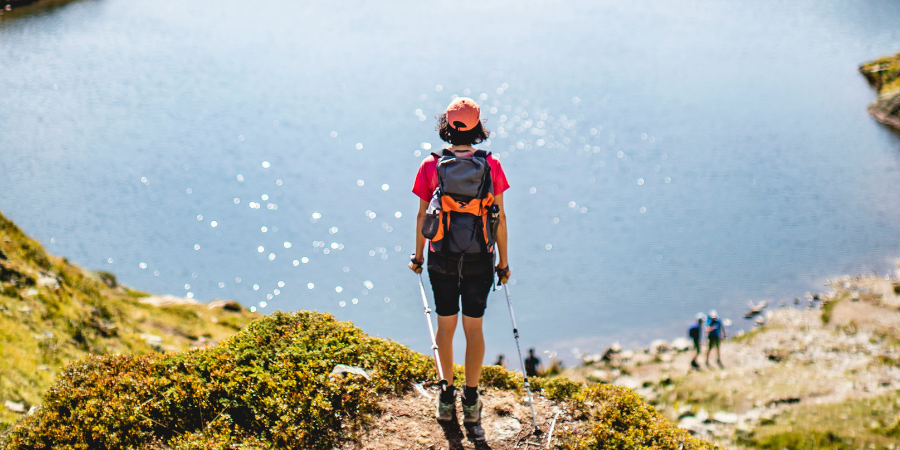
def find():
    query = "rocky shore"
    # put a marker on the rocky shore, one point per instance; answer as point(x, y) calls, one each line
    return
point(824, 375)
point(884, 75)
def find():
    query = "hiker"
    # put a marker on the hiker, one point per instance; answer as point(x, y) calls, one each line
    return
point(715, 332)
point(464, 219)
point(532, 364)
point(500, 361)
point(695, 332)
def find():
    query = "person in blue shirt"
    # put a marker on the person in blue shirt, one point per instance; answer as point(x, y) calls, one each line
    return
point(715, 332)
point(696, 333)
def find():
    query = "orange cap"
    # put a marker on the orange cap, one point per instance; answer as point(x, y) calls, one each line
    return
point(462, 114)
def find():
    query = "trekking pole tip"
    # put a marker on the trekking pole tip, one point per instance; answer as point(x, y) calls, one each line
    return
point(537, 431)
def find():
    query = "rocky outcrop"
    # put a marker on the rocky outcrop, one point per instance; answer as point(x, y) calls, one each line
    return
point(884, 75)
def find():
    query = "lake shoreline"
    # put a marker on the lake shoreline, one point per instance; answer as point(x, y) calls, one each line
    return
point(797, 374)
point(884, 75)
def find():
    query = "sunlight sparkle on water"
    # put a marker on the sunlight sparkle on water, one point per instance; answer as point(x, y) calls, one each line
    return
point(296, 263)
point(287, 245)
point(142, 265)
point(338, 289)
point(310, 286)
point(398, 214)
point(359, 146)
point(255, 287)
point(266, 164)
point(260, 249)
point(304, 260)
point(264, 229)
point(360, 182)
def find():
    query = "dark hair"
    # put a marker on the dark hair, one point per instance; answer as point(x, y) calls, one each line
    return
point(453, 136)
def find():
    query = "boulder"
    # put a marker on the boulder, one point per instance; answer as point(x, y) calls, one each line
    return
point(627, 382)
point(682, 344)
point(15, 407)
point(659, 346)
point(725, 417)
point(702, 415)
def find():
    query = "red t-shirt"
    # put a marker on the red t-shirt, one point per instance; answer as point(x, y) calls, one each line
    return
point(427, 177)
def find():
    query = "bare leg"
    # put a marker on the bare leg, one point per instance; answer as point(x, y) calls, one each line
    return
point(708, 349)
point(474, 349)
point(446, 327)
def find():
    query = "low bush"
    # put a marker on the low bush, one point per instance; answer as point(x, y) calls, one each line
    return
point(271, 383)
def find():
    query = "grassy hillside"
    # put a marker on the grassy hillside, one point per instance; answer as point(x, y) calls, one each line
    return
point(276, 383)
point(53, 313)
point(884, 75)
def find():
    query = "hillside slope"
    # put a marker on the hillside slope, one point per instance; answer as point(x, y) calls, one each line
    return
point(884, 75)
point(302, 380)
point(53, 313)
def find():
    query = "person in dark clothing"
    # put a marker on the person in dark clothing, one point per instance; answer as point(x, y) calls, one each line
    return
point(532, 364)
point(696, 333)
point(715, 332)
point(501, 361)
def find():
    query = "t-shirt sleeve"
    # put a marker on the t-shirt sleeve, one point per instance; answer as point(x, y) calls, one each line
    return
point(498, 176)
point(422, 186)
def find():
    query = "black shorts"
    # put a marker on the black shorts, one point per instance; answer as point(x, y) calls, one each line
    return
point(448, 289)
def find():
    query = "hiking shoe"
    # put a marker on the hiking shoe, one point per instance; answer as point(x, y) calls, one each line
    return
point(472, 414)
point(445, 411)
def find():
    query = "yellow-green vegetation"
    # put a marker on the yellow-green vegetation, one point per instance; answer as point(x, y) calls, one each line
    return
point(273, 385)
point(859, 423)
point(884, 75)
point(53, 313)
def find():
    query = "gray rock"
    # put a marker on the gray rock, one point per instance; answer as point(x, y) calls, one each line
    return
point(342, 369)
point(725, 417)
point(685, 411)
point(702, 415)
point(682, 344)
point(15, 407)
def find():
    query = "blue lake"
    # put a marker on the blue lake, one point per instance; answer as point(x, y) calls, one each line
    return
point(665, 157)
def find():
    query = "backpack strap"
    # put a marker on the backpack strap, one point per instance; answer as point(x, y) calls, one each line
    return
point(481, 154)
point(436, 156)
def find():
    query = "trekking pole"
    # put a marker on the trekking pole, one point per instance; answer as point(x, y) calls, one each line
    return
point(434, 347)
point(512, 317)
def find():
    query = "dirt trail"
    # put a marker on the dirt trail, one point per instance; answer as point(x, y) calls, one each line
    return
point(409, 422)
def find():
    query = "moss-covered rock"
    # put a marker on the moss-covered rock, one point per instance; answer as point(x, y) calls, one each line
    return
point(884, 75)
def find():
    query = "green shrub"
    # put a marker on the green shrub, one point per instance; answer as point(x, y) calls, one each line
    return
point(271, 383)
point(793, 440)
point(620, 419)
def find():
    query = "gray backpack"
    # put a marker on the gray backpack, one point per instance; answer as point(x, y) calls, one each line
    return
point(459, 220)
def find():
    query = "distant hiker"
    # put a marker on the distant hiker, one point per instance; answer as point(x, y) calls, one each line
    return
point(532, 364)
point(715, 332)
point(461, 212)
point(500, 361)
point(695, 332)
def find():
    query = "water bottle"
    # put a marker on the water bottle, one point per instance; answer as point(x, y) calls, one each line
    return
point(432, 222)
